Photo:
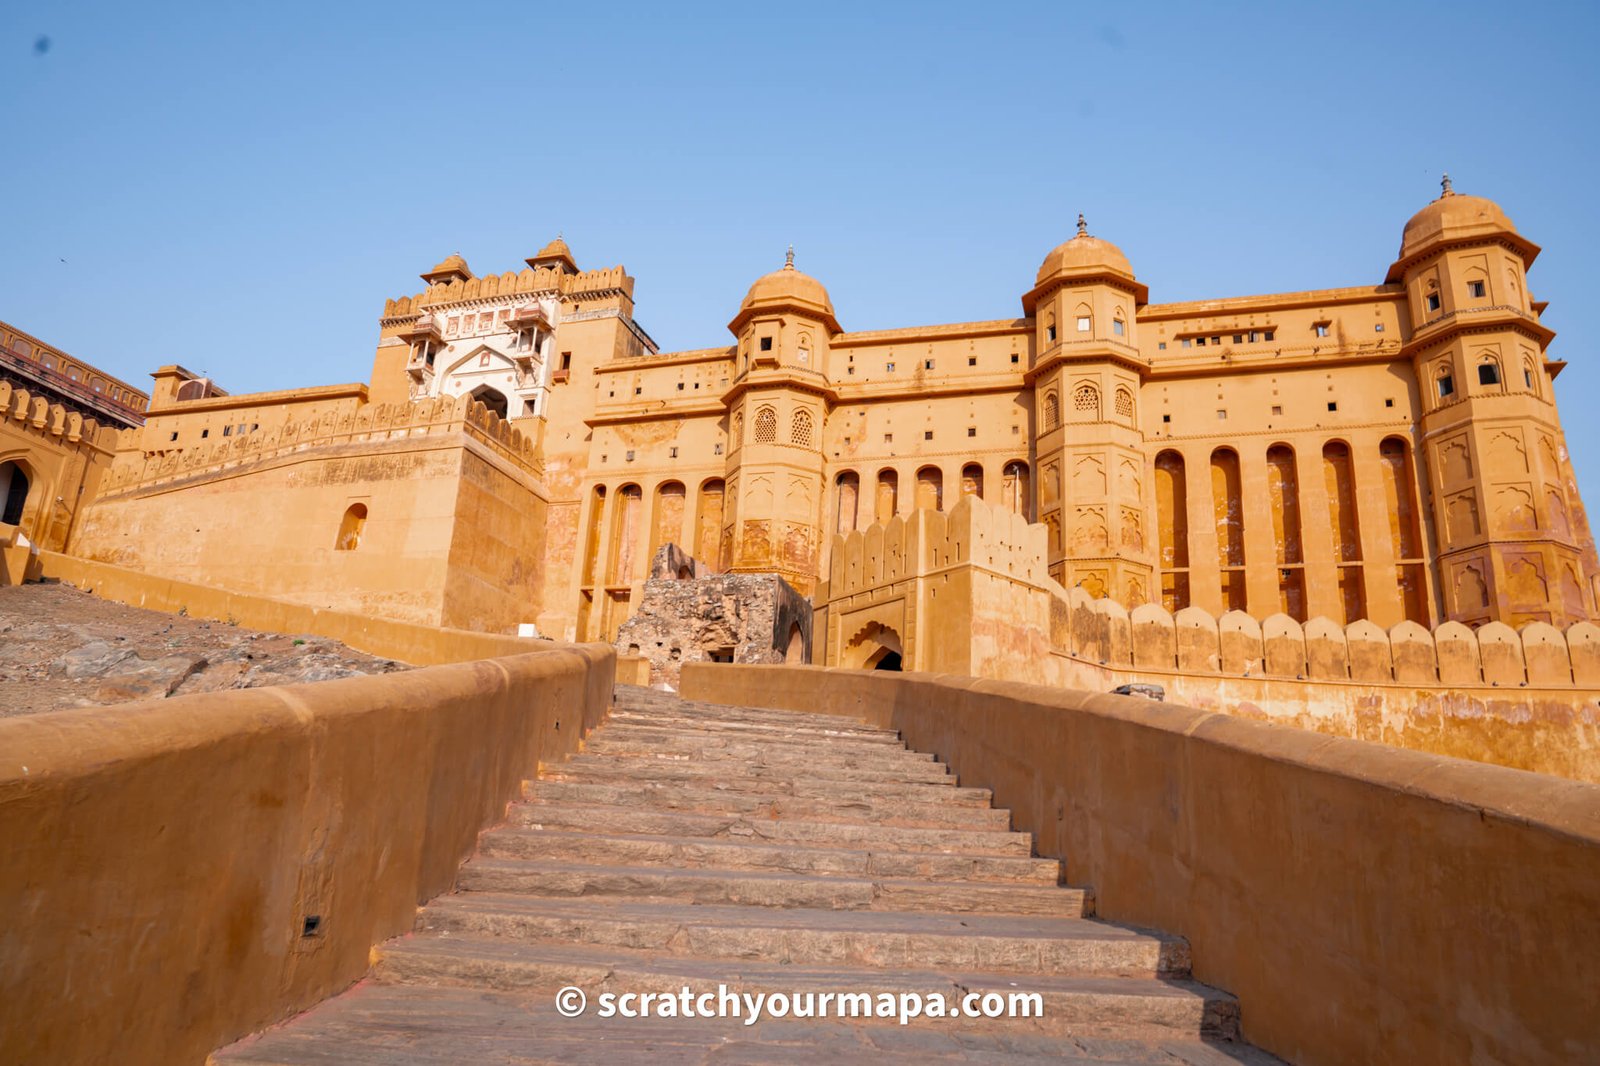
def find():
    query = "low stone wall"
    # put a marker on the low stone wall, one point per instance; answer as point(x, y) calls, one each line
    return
point(419, 645)
point(178, 874)
point(1367, 904)
point(1527, 699)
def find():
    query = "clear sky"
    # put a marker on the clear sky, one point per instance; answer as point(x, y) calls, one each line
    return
point(237, 187)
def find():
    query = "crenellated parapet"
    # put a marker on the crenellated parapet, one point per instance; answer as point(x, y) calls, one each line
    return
point(530, 281)
point(134, 469)
point(37, 415)
point(1196, 643)
point(924, 542)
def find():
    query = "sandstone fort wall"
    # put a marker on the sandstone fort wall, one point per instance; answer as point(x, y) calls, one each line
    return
point(1261, 846)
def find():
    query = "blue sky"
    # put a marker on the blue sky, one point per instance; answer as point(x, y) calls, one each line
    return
point(238, 187)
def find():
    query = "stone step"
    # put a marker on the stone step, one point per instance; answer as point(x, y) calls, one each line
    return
point(759, 888)
point(876, 810)
point(842, 729)
point(841, 753)
point(645, 701)
point(803, 936)
point(641, 850)
point(1072, 1005)
point(794, 784)
point(687, 766)
point(401, 1025)
point(779, 742)
point(622, 819)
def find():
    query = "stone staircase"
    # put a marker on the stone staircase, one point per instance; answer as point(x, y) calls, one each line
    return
point(773, 852)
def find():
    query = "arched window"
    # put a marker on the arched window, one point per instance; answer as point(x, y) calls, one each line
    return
point(800, 428)
point(1052, 410)
point(738, 428)
point(1086, 401)
point(1444, 381)
point(351, 528)
point(1124, 404)
point(13, 493)
point(1527, 377)
point(766, 425)
point(492, 398)
point(1488, 372)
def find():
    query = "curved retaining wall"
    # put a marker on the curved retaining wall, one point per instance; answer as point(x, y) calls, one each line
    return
point(1366, 903)
point(161, 859)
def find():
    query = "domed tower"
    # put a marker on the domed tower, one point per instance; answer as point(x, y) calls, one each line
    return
point(777, 407)
point(1091, 485)
point(1513, 542)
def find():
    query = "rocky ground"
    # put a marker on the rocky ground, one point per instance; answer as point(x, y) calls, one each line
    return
point(63, 648)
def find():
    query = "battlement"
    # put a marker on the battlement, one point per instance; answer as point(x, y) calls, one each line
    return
point(1452, 656)
point(607, 281)
point(134, 469)
point(925, 542)
point(38, 415)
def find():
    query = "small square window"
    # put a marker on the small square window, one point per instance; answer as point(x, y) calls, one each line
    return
point(1200, 342)
point(1333, 405)
point(672, 452)
point(630, 457)
point(1277, 410)
point(1118, 326)
point(766, 344)
point(1527, 377)
point(1166, 418)
point(927, 364)
point(1049, 333)
point(1321, 328)
point(174, 434)
point(889, 367)
point(1015, 430)
point(227, 431)
point(716, 449)
point(972, 360)
point(972, 431)
point(1161, 346)
point(603, 458)
point(1433, 301)
point(1216, 340)
point(850, 370)
point(1014, 358)
point(566, 360)
point(1222, 414)
point(204, 433)
point(1389, 402)
point(1267, 336)
point(1477, 289)
point(888, 438)
point(1238, 338)
point(1488, 374)
point(1447, 385)
point(927, 434)
point(1083, 323)
point(680, 386)
point(1186, 342)
point(1378, 327)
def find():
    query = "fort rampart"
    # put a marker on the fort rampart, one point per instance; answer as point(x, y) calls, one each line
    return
point(1339, 888)
point(250, 847)
point(966, 589)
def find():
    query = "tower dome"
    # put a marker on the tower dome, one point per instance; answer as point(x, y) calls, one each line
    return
point(451, 268)
point(1084, 256)
point(1455, 216)
point(787, 287)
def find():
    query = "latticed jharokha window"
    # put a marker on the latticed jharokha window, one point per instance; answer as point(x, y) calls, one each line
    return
point(1124, 403)
point(1086, 400)
point(766, 425)
point(800, 429)
point(1052, 410)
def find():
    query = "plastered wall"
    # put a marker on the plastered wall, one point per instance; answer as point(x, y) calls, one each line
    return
point(1339, 888)
point(161, 859)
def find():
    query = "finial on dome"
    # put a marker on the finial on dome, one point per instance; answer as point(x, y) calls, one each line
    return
point(1445, 185)
point(1083, 227)
point(788, 260)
